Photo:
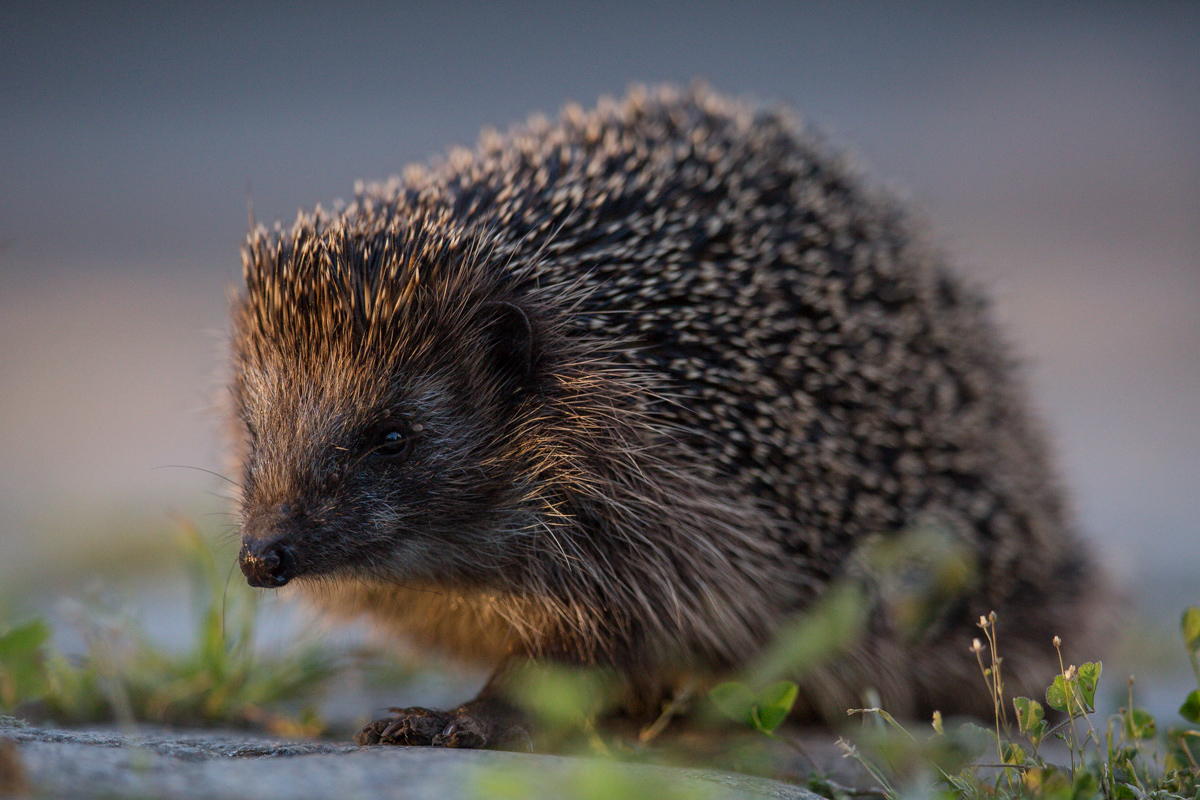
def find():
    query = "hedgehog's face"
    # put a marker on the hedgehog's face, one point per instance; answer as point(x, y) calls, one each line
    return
point(358, 464)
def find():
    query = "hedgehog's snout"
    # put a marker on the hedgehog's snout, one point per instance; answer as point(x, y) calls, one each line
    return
point(267, 563)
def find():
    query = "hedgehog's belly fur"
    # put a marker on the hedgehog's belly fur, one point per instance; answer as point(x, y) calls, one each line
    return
point(474, 626)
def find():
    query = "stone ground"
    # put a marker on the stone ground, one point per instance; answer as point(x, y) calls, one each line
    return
point(155, 763)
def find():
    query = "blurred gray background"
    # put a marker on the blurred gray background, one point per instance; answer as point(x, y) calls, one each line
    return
point(1055, 149)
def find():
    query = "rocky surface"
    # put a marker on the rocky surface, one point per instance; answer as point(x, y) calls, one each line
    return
point(154, 763)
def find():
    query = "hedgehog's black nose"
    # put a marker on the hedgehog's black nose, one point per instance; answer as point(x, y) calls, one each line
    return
point(267, 563)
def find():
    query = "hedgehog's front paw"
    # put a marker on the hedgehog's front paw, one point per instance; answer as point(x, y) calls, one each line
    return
point(481, 723)
point(409, 726)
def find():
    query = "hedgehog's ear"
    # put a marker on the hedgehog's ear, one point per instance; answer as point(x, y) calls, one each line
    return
point(508, 336)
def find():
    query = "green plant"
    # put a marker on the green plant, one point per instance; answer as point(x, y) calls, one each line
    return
point(1190, 625)
point(1131, 760)
point(763, 710)
point(220, 679)
point(591, 779)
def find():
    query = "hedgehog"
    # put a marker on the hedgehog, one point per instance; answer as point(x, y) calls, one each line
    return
point(636, 388)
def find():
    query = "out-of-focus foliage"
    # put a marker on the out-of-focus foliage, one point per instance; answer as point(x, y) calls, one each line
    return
point(123, 676)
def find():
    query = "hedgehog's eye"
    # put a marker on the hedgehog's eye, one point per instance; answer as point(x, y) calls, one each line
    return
point(393, 443)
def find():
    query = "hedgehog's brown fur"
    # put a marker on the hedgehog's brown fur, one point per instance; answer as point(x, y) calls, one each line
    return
point(663, 369)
